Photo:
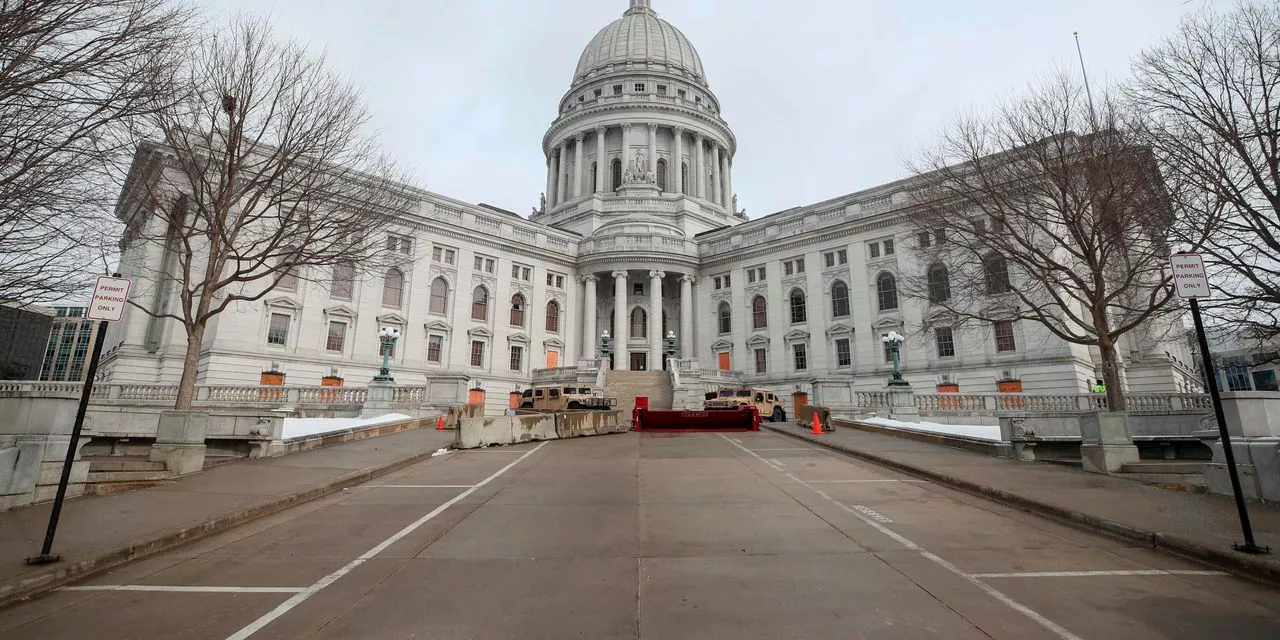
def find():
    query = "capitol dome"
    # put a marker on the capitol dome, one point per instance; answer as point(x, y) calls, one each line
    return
point(640, 37)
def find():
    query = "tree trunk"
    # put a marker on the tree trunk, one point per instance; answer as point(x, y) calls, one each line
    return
point(190, 366)
point(1111, 377)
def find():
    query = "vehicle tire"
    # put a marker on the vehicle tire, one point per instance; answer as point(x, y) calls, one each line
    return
point(575, 405)
point(526, 405)
point(778, 415)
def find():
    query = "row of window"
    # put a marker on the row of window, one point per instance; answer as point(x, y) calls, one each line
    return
point(487, 264)
point(640, 87)
point(944, 340)
point(798, 307)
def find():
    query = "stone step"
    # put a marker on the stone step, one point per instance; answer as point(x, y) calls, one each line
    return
point(124, 464)
point(1166, 467)
point(1175, 481)
point(127, 476)
point(108, 488)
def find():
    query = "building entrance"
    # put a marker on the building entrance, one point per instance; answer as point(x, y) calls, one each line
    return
point(639, 361)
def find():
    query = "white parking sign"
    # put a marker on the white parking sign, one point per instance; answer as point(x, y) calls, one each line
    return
point(1189, 277)
point(109, 297)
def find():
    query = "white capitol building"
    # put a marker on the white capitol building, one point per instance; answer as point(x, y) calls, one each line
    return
point(638, 235)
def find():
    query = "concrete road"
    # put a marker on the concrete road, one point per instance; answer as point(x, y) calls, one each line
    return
point(653, 536)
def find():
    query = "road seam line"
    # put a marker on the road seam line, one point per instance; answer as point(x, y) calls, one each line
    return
point(857, 481)
point(181, 589)
point(1057, 629)
point(303, 596)
point(1088, 574)
point(422, 486)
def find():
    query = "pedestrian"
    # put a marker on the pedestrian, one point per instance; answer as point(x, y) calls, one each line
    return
point(1100, 387)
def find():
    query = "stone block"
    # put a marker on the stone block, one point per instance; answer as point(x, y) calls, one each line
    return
point(1257, 464)
point(1107, 458)
point(179, 459)
point(182, 427)
point(1105, 428)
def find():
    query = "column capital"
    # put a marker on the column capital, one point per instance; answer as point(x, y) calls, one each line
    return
point(653, 126)
point(619, 274)
point(679, 131)
point(600, 131)
point(688, 278)
point(657, 275)
point(698, 137)
point(564, 144)
point(578, 137)
point(626, 126)
point(589, 278)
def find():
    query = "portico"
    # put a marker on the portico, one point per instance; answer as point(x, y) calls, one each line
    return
point(639, 307)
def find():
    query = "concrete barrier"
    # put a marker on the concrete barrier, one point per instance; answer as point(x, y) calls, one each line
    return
point(498, 430)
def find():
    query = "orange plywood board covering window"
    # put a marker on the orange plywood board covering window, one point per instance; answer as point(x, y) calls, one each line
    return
point(553, 359)
point(1009, 386)
point(724, 360)
point(476, 396)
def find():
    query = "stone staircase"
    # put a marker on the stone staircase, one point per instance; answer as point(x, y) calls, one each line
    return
point(627, 385)
point(1179, 475)
point(113, 474)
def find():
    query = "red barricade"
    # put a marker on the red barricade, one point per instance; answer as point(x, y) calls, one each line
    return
point(744, 419)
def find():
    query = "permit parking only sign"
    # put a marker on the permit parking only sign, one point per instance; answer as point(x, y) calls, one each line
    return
point(109, 297)
point(1189, 277)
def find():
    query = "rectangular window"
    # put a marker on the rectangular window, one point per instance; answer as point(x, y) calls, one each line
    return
point(844, 358)
point(400, 244)
point(719, 283)
point(598, 92)
point(946, 342)
point(829, 260)
point(555, 280)
point(842, 257)
point(477, 353)
point(681, 93)
point(786, 268)
point(751, 276)
point(344, 282)
point(875, 249)
point(515, 272)
point(443, 255)
point(435, 345)
point(939, 236)
point(888, 247)
point(1004, 337)
point(288, 281)
point(617, 89)
point(517, 357)
point(637, 289)
point(799, 265)
point(662, 89)
point(278, 332)
point(760, 274)
point(526, 274)
point(801, 357)
point(762, 360)
point(980, 225)
point(639, 87)
point(337, 338)
point(726, 278)
point(925, 239)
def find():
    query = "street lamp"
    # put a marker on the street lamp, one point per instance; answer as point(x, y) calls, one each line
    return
point(387, 337)
point(893, 341)
point(604, 345)
point(671, 344)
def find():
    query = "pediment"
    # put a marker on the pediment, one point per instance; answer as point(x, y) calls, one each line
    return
point(796, 334)
point(392, 318)
point(721, 345)
point(886, 323)
point(553, 342)
point(758, 339)
point(340, 310)
point(286, 302)
point(941, 318)
point(438, 325)
point(518, 338)
point(840, 328)
point(1000, 312)
point(480, 332)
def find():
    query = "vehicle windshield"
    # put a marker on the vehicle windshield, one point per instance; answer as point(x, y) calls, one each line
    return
point(744, 394)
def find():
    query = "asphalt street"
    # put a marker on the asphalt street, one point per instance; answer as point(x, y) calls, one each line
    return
point(653, 536)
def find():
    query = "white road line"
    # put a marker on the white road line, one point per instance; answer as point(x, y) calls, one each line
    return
point(423, 486)
point(1090, 574)
point(857, 481)
point(172, 589)
point(302, 596)
point(791, 449)
point(498, 450)
point(776, 463)
point(1057, 629)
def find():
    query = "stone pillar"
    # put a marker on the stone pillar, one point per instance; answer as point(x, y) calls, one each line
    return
point(562, 188)
point(577, 164)
point(626, 146)
point(589, 316)
point(655, 320)
point(1106, 445)
point(678, 134)
point(715, 174)
point(551, 178)
point(601, 161)
point(727, 181)
point(686, 316)
point(620, 355)
point(179, 441)
point(653, 149)
point(699, 175)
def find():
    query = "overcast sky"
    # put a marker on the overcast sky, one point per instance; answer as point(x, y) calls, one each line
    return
point(826, 97)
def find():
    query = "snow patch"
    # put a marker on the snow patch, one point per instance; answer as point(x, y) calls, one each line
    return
point(978, 431)
point(301, 427)
point(440, 452)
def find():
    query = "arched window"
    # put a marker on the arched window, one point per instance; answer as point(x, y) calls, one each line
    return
point(639, 323)
point(887, 292)
point(759, 313)
point(725, 317)
point(684, 174)
point(517, 310)
point(798, 312)
point(439, 296)
point(392, 288)
point(553, 316)
point(480, 304)
point(662, 175)
point(939, 283)
point(595, 175)
point(996, 270)
point(617, 174)
point(839, 300)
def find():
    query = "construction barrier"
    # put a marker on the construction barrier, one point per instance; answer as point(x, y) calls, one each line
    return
point(804, 416)
point(743, 419)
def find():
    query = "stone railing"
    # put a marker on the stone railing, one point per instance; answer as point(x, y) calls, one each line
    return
point(1056, 404)
point(871, 399)
point(205, 395)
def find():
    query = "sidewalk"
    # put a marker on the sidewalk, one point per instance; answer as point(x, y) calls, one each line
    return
point(1195, 525)
point(98, 532)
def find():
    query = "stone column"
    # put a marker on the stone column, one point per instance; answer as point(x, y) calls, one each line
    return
point(601, 161)
point(716, 193)
point(577, 164)
point(620, 355)
point(699, 176)
point(589, 338)
point(626, 146)
point(686, 316)
point(678, 134)
point(728, 182)
point(562, 191)
point(653, 149)
point(551, 178)
point(656, 339)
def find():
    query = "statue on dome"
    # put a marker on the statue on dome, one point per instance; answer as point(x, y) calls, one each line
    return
point(638, 172)
point(542, 201)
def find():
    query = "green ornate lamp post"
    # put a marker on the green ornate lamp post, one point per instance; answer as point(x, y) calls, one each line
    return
point(604, 350)
point(671, 344)
point(387, 338)
point(893, 341)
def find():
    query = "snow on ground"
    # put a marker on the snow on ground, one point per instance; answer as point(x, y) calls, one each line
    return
point(299, 427)
point(981, 432)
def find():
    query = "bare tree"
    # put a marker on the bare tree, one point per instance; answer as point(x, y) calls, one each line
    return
point(1212, 96)
point(1045, 211)
point(265, 169)
point(73, 73)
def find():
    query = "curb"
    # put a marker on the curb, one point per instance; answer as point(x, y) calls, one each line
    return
point(74, 569)
point(1169, 542)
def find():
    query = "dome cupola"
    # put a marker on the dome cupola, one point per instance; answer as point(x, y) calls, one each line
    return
point(640, 39)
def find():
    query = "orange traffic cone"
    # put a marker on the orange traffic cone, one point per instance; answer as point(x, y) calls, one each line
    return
point(440, 423)
point(817, 424)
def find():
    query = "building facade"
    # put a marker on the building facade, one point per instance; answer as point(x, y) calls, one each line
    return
point(66, 358)
point(639, 235)
point(24, 332)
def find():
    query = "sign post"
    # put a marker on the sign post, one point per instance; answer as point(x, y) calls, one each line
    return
point(1191, 281)
point(110, 294)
